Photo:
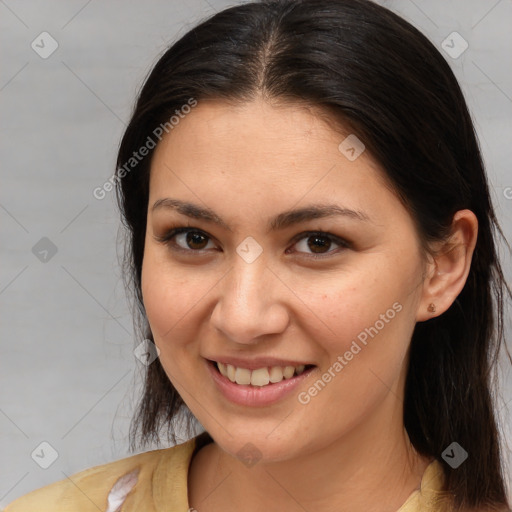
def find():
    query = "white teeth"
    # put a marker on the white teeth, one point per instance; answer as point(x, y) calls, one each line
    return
point(261, 376)
point(230, 370)
point(276, 374)
point(288, 372)
point(243, 376)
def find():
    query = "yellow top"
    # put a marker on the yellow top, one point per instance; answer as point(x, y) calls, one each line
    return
point(156, 481)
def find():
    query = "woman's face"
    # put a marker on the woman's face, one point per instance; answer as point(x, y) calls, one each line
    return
point(257, 286)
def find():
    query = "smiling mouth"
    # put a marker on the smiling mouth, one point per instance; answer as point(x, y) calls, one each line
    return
point(260, 377)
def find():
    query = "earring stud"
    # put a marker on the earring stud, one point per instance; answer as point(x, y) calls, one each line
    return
point(432, 307)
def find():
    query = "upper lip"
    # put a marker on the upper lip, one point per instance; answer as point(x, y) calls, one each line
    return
point(256, 362)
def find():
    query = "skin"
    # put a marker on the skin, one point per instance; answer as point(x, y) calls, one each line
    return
point(347, 449)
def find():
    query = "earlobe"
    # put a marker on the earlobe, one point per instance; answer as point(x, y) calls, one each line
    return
point(450, 267)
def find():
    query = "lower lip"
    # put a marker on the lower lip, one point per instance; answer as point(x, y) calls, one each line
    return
point(256, 395)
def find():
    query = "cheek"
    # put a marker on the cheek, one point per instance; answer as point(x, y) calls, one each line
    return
point(367, 313)
point(349, 301)
point(168, 298)
point(171, 300)
point(364, 331)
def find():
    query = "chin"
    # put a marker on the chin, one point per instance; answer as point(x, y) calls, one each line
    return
point(255, 446)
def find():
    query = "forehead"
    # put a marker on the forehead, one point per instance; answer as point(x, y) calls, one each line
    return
point(279, 152)
point(227, 133)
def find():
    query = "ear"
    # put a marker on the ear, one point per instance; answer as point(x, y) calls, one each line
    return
point(448, 269)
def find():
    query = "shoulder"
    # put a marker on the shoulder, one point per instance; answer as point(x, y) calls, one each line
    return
point(429, 497)
point(88, 490)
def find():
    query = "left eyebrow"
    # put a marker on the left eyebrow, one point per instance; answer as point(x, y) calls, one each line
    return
point(281, 221)
point(291, 217)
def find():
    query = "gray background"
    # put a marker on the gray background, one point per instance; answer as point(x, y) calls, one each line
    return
point(69, 376)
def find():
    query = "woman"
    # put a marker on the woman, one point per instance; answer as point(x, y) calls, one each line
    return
point(311, 246)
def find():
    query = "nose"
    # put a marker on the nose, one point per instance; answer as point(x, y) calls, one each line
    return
point(251, 303)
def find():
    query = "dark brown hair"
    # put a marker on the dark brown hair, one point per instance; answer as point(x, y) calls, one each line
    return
point(375, 73)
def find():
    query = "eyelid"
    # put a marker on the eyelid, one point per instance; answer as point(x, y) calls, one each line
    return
point(167, 237)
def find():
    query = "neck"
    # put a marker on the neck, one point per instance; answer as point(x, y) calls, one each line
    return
point(371, 468)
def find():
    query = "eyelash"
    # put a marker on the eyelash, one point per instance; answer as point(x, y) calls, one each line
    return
point(166, 239)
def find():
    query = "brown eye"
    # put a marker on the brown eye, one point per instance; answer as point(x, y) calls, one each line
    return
point(196, 240)
point(310, 244)
point(319, 244)
point(186, 239)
